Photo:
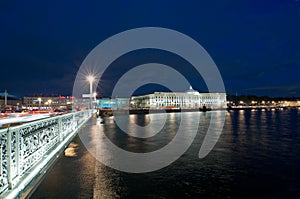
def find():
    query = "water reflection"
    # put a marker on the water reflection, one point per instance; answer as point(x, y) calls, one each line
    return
point(141, 125)
point(71, 150)
point(257, 154)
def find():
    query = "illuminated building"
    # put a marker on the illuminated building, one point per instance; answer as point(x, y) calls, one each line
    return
point(191, 99)
point(48, 102)
point(117, 103)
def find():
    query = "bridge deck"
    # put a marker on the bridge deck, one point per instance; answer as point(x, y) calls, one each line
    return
point(27, 150)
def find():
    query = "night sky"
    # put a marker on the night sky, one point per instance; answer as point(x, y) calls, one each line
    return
point(254, 43)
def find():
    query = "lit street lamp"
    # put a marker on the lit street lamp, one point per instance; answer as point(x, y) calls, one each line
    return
point(40, 100)
point(91, 79)
point(95, 95)
point(49, 102)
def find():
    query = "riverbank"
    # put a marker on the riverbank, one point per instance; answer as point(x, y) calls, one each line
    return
point(110, 112)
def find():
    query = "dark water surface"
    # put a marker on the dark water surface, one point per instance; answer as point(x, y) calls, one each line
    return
point(257, 155)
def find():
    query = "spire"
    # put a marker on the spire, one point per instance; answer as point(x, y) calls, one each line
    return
point(192, 91)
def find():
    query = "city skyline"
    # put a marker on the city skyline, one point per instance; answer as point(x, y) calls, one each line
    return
point(254, 44)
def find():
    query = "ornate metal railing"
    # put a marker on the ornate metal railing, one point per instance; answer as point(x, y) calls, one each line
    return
point(23, 147)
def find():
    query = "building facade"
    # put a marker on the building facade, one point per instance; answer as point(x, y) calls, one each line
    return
point(191, 99)
point(47, 102)
point(116, 103)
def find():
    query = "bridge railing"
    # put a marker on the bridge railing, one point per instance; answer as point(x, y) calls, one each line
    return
point(23, 147)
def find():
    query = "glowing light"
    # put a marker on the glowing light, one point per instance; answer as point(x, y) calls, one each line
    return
point(71, 151)
point(90, 78)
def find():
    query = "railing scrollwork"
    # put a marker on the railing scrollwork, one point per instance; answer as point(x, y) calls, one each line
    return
point(22, 147)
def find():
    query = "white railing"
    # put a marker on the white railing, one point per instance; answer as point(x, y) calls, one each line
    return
point(23, 147)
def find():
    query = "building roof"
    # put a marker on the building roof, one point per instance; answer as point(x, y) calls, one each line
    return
point(191, 90)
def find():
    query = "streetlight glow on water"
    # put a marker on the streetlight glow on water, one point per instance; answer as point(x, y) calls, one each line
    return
point(248, 161)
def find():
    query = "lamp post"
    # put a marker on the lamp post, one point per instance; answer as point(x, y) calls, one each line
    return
point(40, 100)
point(91, 79)
point(94, 95)
point(49, 103)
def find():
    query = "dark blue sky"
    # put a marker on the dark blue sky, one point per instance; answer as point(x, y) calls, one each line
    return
point(254, 43)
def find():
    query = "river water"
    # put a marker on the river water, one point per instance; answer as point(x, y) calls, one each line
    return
point(257, 155)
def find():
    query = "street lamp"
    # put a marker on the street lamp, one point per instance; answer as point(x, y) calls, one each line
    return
point(49, 103)
point(94, 95)
point(40, 100)
point(91, 79)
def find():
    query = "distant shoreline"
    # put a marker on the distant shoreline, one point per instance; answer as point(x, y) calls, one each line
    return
point(109, 112)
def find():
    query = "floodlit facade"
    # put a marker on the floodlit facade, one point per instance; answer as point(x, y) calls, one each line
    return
point(47, 102)
point(191, 99)
point(117, 103)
